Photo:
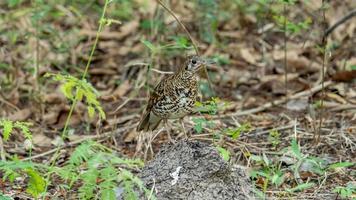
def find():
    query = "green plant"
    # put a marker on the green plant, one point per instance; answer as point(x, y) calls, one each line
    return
point(274, 138)
point(103, 171)
point(199, 123)
point(92, 166)
point(210, 107)
point(224, 153)
point(75, 89)
point(172, 47)
point(16, 168)
point(8, 126)
point(347, 192)
point(235, 133)
point(270, 172)
point(292, 27)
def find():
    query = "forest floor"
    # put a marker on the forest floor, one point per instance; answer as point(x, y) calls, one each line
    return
point(282, 101)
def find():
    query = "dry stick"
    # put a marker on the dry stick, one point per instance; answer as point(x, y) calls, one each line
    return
point(324, 43)
point(277, 102)
point(285, 49)
point(190, 37)
point(339, 22)
point(181, 24)
point(92, 137)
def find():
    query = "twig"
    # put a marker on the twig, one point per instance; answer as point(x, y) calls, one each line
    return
point(339, 22)
point(251, 134)
point(276, 102)
point(91, 137)
point(181, 24)
point(191, 39)
point(324, 44)
point(285, 49)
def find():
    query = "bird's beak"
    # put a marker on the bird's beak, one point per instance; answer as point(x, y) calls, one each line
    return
point(209, 62)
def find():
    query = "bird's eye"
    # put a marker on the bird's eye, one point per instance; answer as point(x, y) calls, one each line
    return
point(194, 61)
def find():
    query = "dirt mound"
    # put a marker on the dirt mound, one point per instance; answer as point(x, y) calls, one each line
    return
point(195, 170)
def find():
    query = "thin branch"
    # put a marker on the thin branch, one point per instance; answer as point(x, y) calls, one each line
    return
point(285, 50)
point(324, 44)
point(181, 24)
point(191, 39)
point(339, 22)
point(276, 102)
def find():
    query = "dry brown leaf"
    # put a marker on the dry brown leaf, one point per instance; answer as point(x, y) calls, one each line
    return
point(130, 136)
point(20, 115)
point(248, 56)
point(41, 140)
point(129, 28)
point(122, 89)
point(54, 98)
point(51, 118)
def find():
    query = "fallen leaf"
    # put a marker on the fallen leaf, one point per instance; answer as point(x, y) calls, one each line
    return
point(20, 115)
point(41, 140)
point(248, 56)
point(297, 104)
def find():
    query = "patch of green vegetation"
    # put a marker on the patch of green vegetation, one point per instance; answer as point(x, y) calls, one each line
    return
point(9, 125)
point(235, 133)
point(346, 192)
point(93, 166)
point(75, 89)
point(274, 138)
point(271, 173)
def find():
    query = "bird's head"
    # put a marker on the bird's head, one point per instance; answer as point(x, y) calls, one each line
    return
point(194, 63)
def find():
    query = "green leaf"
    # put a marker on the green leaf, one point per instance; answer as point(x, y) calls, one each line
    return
point(300, 187)
point(91, 111)
point(149, 45)
point(8, 126)
point(36, 184)
point(198, 126)
point(224, 153)
point(108, 194)
point(80, 94)
point(341, 165)
point(295, 149)
point(67, 89)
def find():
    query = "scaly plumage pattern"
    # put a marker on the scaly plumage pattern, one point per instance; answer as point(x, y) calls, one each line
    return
point(174, 96)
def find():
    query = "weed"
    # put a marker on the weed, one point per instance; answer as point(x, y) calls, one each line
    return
point(95, 167)
point(224, 153)
point(274, 138)
point(8, 127)
point(75, 89)
point(235, 133)
point(347, 192)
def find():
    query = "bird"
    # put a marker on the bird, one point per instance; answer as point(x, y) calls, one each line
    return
point(173, 97)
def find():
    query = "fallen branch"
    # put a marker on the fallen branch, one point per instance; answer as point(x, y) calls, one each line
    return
point(276, 102)
point(339, 22)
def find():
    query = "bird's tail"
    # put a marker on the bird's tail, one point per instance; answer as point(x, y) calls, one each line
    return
point(149, 122)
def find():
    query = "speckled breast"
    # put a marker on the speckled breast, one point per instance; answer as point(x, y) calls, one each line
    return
point(177, 104)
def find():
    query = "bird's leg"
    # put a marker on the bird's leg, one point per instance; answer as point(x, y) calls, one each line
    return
point(184, 131)
point(168, 130)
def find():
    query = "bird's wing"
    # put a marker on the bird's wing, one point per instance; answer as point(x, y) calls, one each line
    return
point(149, 121)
